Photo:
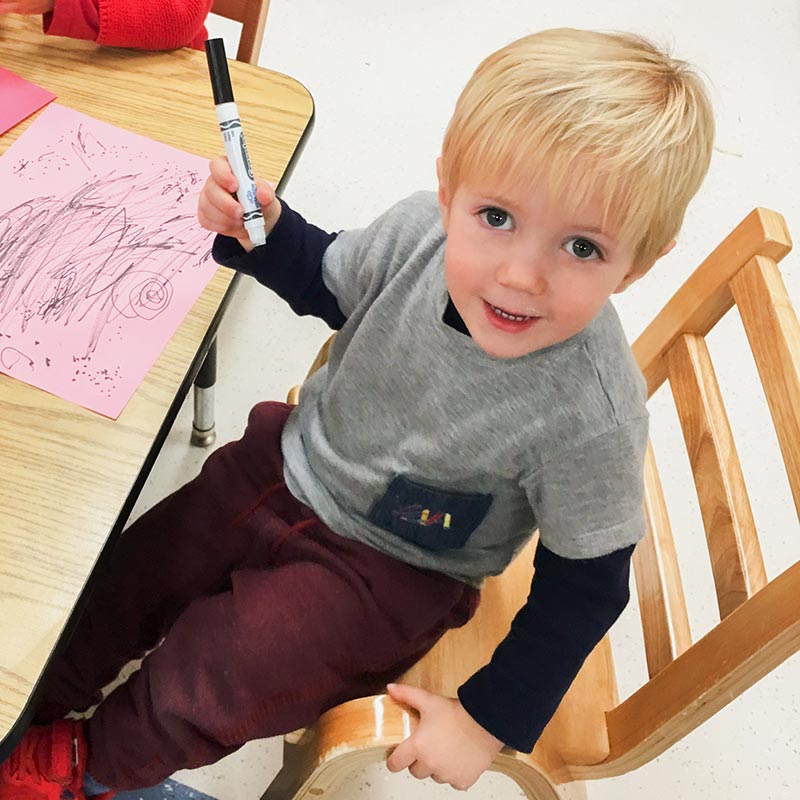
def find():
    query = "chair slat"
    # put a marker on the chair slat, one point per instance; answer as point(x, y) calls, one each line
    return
point(253, 16)
point(733, 545)
point(774, 334)
point(705, 296)
point(742, 649)
point(252, 34)
point(230, 9)
point(662, 606)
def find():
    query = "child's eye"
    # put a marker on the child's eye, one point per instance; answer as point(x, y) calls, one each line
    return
point(497, 218)
point(582, 248)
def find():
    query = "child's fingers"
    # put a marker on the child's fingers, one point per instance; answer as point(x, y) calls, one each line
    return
point(265, 192)
point(218, 210)
point(221, 200)
point(223, 214)
point(216, 224)
point(222, 173)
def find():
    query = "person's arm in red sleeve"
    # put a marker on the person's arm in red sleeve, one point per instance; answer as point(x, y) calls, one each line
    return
point(153, 24)
point(77, 19)
point(141, 24)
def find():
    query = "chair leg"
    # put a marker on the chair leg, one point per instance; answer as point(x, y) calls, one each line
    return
point(203, 427)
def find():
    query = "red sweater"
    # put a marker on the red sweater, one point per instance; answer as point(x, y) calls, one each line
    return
point(143, 24)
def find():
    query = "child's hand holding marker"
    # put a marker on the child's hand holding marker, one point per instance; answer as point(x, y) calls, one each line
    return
point(238, 162)
point(219, 211)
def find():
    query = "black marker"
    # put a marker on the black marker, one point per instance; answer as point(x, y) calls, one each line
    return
point(233, 137)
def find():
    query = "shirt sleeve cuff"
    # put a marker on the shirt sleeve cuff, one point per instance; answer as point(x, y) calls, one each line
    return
point(228, 252)
point(515, 717)
point(289, 263)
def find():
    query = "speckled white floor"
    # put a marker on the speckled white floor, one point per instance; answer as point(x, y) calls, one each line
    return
point(384, 77)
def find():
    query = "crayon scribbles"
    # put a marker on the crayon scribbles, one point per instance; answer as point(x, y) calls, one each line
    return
point(101, 256)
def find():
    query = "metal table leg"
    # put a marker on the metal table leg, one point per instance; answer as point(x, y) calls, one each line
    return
point(203, 427)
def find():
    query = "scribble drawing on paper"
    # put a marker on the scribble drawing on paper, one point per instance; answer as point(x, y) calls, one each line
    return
point(96, 274)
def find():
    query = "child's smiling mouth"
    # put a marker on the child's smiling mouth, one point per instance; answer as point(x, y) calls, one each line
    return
point(507, 321)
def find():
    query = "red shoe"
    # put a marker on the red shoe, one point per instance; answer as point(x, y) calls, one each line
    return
point(48, 764)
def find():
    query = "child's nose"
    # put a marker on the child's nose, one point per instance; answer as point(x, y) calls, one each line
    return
point(523, 274)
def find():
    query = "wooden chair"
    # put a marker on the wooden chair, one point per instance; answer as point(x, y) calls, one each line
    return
point(253, 16)
point(593, 735)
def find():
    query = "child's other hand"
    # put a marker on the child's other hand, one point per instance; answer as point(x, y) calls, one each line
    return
point(448, 745)
point(220, 212)
point(26, 6)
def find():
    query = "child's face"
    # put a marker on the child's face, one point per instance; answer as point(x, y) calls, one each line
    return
point(522, 273)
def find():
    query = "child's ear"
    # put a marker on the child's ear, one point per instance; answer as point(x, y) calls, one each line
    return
point(444, 200)
point(632, 276)
point(669, 246)
point(640, 270)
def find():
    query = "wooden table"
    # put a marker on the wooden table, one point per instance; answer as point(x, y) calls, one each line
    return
point(69, 477)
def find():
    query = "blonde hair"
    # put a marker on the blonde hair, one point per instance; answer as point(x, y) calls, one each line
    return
point(588, 113)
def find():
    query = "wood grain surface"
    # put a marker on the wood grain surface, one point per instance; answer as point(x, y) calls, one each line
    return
point(65, 473)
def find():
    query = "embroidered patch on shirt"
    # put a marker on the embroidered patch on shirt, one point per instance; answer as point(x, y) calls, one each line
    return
point(436, 519)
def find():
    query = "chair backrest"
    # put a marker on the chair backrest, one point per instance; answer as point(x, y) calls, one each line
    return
point(759, 619)
point(593, 735)
point(253, 16)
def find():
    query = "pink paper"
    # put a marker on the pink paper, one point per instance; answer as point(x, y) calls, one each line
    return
point(19, 99)
point(101, 256)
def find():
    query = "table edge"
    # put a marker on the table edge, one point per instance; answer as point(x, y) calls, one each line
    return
point(12, 737)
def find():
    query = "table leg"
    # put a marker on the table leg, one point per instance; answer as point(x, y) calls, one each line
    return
point(203, 427)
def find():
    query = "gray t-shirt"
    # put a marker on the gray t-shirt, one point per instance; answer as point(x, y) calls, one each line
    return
point(417, 443)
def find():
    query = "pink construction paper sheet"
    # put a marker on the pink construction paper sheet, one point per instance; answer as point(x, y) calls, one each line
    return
point(19, 99)
point(101, 256)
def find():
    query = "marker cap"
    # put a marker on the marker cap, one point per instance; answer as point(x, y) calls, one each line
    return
point(256, 231)
point(218, 70)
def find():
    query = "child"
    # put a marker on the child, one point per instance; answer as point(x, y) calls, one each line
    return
point(150, 25)
point(480, 386)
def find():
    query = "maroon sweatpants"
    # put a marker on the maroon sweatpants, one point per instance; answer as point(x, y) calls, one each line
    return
point(265, 618)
